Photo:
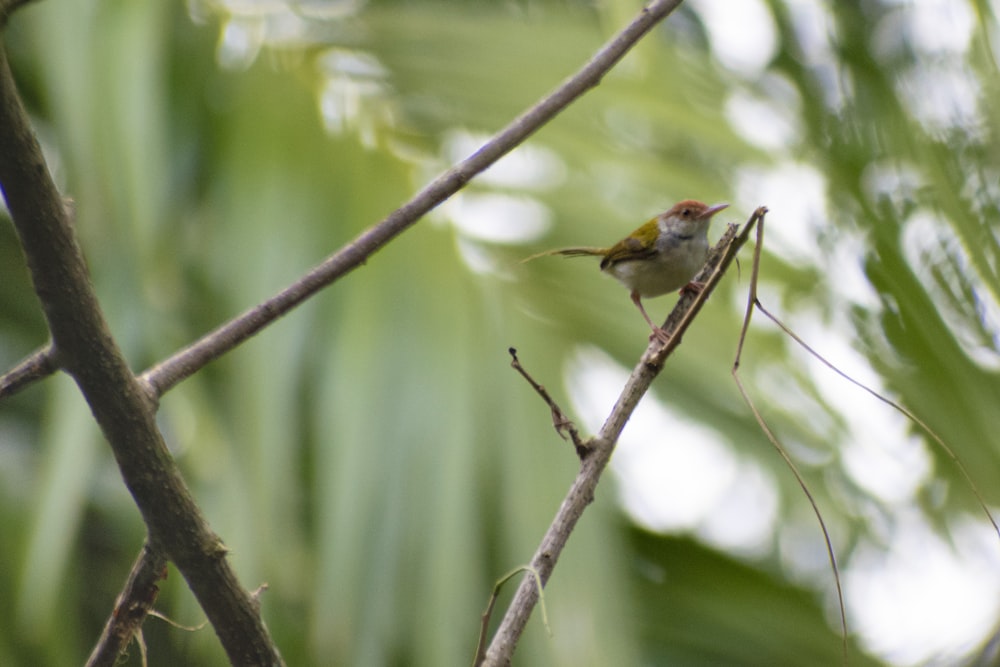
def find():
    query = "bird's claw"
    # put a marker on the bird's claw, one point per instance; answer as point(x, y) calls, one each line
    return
point(693, 288)
point(660, 335)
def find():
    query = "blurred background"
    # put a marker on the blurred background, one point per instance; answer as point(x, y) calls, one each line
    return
point(373, 458)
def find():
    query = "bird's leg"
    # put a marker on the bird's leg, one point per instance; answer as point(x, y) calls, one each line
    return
point(658, 333)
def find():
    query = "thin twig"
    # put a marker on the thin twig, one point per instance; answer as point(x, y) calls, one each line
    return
point(37, 365)
point(581, 492)
point(164, 375)
point(751, 302)
point(563, 424)
point(899, 408)
point(180, 626)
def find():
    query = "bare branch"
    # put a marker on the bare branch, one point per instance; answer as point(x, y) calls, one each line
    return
point(37, 365)
point(581, 492)
point(164, 375)
point(754, 303)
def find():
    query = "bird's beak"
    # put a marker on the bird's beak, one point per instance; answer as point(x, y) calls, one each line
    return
point(712, 210)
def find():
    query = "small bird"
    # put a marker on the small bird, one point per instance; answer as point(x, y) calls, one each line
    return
point(659, 257)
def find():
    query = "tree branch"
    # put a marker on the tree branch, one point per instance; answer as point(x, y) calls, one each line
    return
point(581, 492)
point(164, 375)
point(37, 365)
point(119, 403)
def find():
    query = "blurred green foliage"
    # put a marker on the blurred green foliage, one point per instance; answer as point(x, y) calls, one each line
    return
point(372, 457)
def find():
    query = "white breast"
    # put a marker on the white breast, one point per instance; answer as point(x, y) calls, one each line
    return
point(671, 269)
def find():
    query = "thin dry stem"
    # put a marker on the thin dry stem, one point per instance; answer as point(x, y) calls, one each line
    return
point(773, 439)
point(899, 408)
point(751, 302)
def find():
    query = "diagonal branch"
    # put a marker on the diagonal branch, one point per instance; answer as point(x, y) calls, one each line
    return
point(119, 403)
point(581, 492)
point(164, 375)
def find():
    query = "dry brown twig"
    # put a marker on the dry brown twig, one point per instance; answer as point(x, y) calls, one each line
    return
point(562, 424)
point(164, 375)
point(603, 445)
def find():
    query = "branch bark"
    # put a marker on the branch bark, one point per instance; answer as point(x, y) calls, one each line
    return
point(119, 403)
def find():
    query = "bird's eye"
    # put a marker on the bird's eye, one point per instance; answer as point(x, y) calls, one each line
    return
point(686, 212)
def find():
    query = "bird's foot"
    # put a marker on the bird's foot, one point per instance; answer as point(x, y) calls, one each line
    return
point(660, 335)
point(692, 288)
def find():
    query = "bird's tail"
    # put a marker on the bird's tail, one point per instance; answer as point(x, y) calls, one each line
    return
point(570, 252)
